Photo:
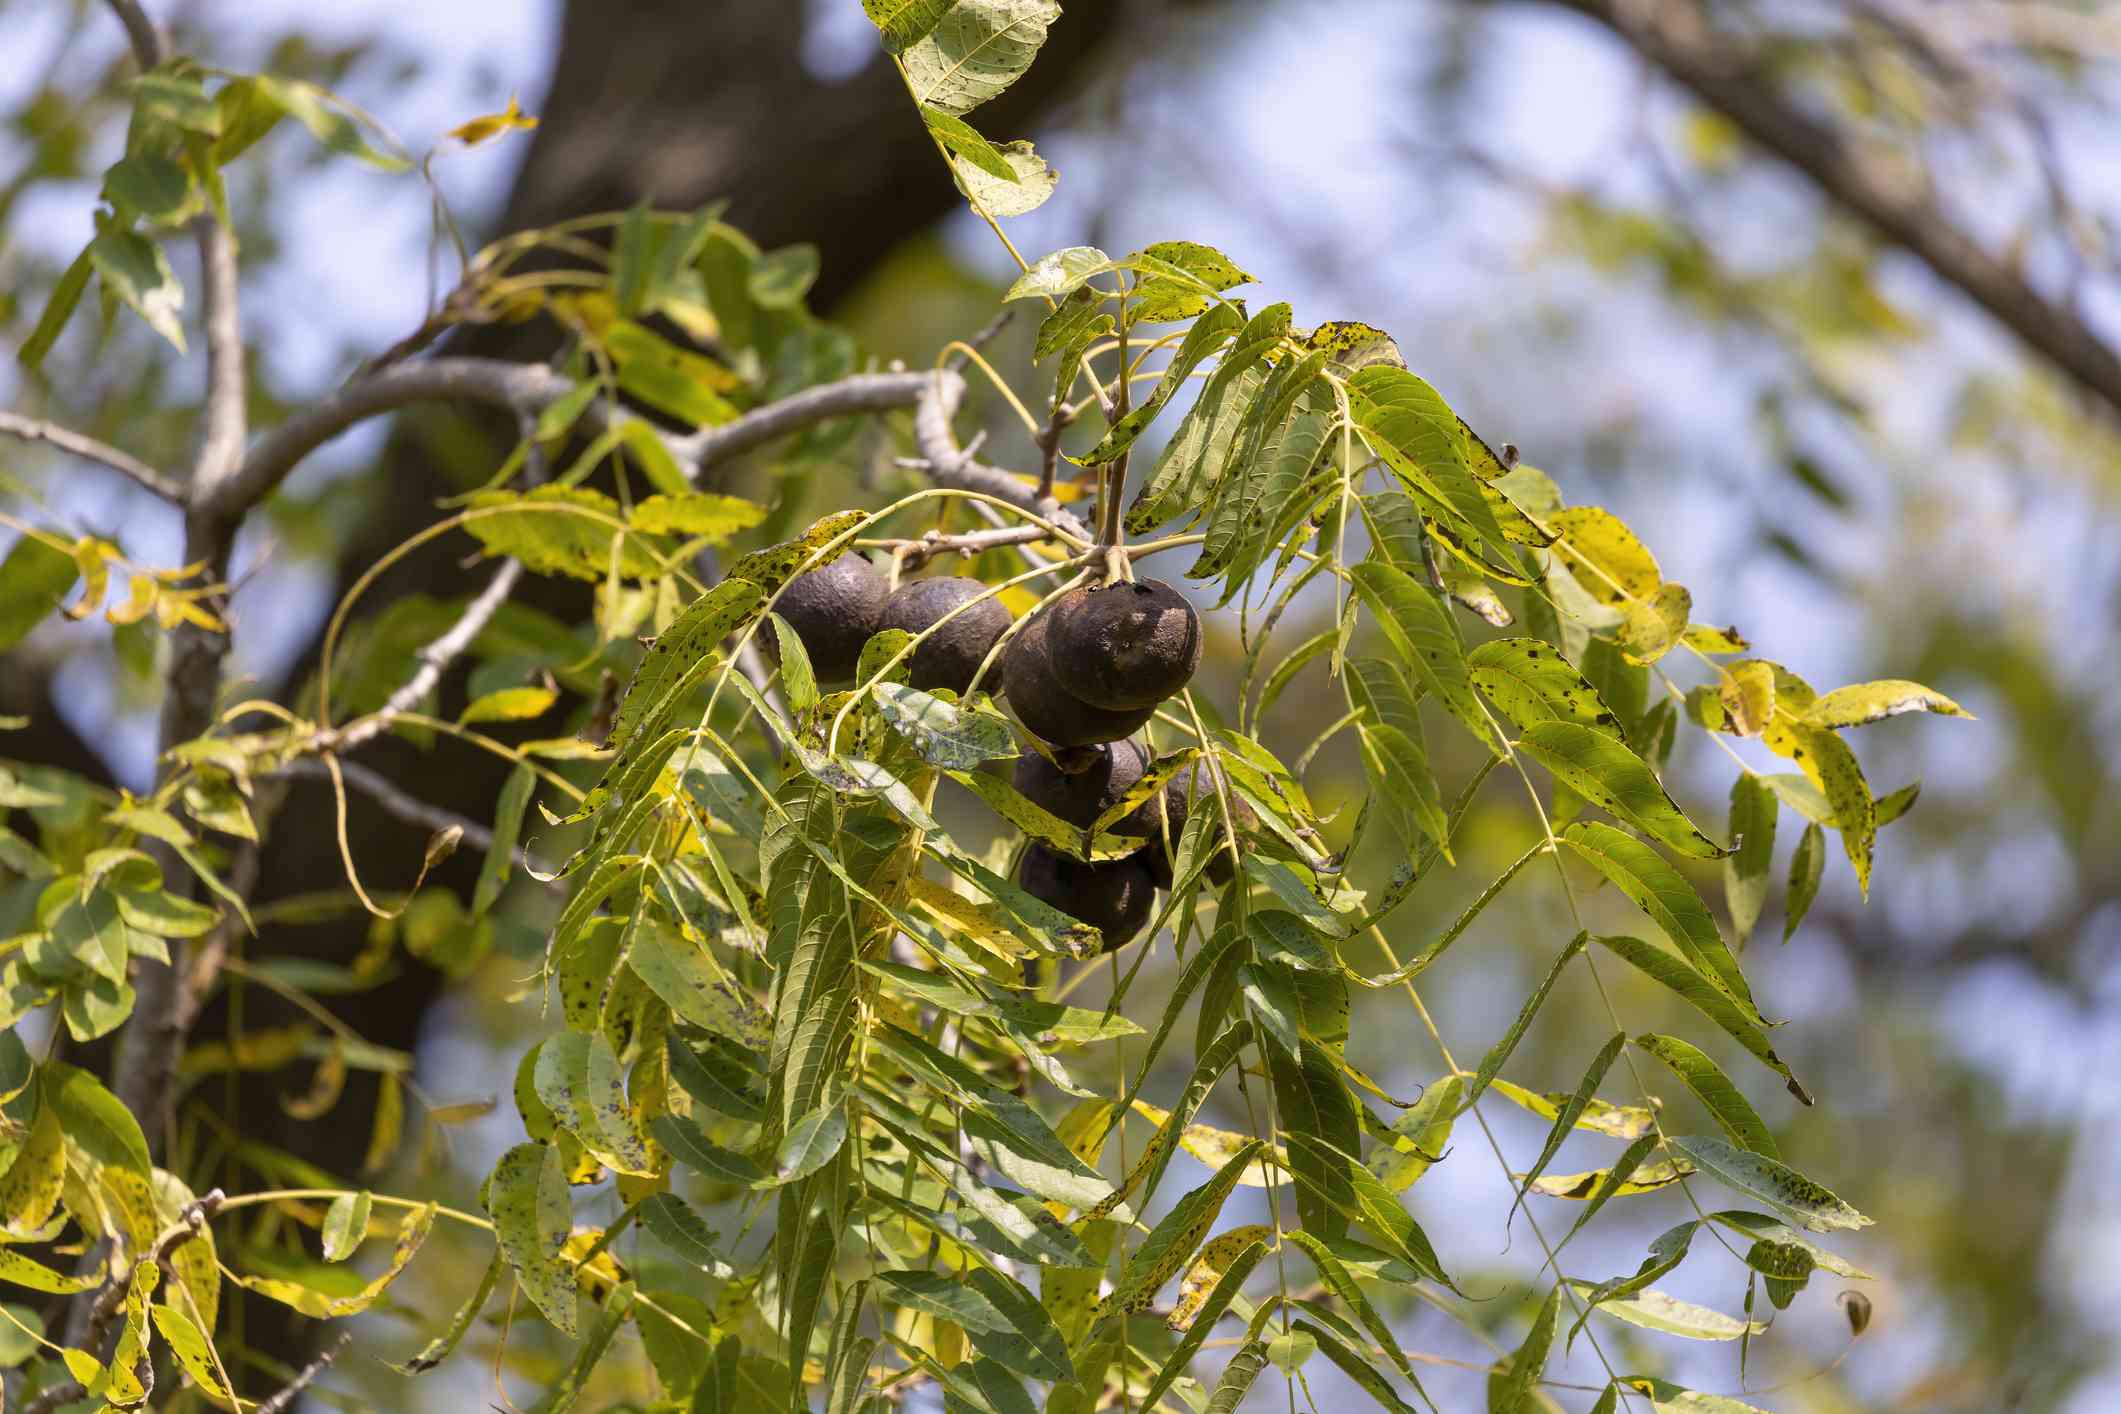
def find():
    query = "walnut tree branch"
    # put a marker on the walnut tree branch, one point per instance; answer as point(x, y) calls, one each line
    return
point(31, 429)
point(1676, 36)
point(434, 660)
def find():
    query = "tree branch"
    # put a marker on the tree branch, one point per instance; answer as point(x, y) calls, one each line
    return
point(1675, 36)
point(434, 660)
point(286, 1398)
point(31, 429)
point(413, 811)
point(150, 47)
point(952, 466)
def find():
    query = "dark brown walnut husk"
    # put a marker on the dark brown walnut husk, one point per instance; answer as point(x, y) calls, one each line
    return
point(1079, 797)
point(954, 652)
point(1126, 645)
point(833, 610)
point(1194, 782)
point(1114, 896)
point(1046, 708)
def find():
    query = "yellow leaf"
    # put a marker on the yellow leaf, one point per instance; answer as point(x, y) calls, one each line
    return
point(144, 592)
point(1748, 697)
point(1862, 703)
point(1216, 1147)
point(1651, 626)
point(1207, 1269)
point(510, 704)
point(492, 125)
point(1605, 557)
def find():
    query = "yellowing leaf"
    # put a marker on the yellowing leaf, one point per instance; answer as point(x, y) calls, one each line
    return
point(492, 125)
point(703, 513)
point(1207, 1270)
point(1748, 698)
point(1649, 627)
point(510, 704)
point(1863, 703)
point(1215, 1147)
point(1604, 556)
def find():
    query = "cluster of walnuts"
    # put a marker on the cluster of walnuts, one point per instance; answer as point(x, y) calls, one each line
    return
point(1082, 674)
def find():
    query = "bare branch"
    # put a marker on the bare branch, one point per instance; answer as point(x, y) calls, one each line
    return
point(285, 1399)
point(952, 466)
point(863, 392)
point(31, 429)
point(518, 387)
point(1675, 35)
point(226, 424)
point(434, 660)
point(413, 811)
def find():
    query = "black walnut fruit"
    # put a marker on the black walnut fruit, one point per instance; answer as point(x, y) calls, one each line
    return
point(834, 609)
point(1126, 645)
point(1114, 896)
point(1079, 797)
point(1048, 709)
point(953, 654)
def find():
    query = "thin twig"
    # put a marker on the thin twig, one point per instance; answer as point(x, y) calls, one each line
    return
point(915, 553)
point(396, 802)
point(285, 1399)
point(31, 429)
point(434, 660)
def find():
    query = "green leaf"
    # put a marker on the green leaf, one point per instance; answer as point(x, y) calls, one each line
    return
point(1606, 772)
point(313, 108)
point(34, 581)
point(94, 1119)
point(133, 268)
point(1400, 768)
point(1745, 869)
point(1706, 998)
point(1807, 867)
point(1059, 273)
point(1715, 1090)
point(1785, 1190)
point(973, 51)
point(1350, 1293)
point(1414, 430)
point(1529, 681)
point(1199, 452)
point(811, 1143)
point(1615, 1181)
point(672, 1222)
point(445, 1344)
point(1419, 627)
point(1177, 279)
point(1206, 337)
point(346, 1224)
point(1364, 1198)
point(499, 863)
point(58, 310)
point(1529, 1363)
point(1653, 1310)
point(960, 137)
point(526, 1197)
point(1565, 1119)
point(942, 733)
point(579, 1079)
point(1227, 1286)
point(1499, 1053)
point(1174, 1237)
point(708, 515)
point(1024, 188)
point(1862, 703)
point(1312, 1100)
point(945, 1296)
point(677, 660)
point(1352, 1363)
point(151, 185)
point(710, 1161)
point(1031, 1345)
point(1663, 893)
